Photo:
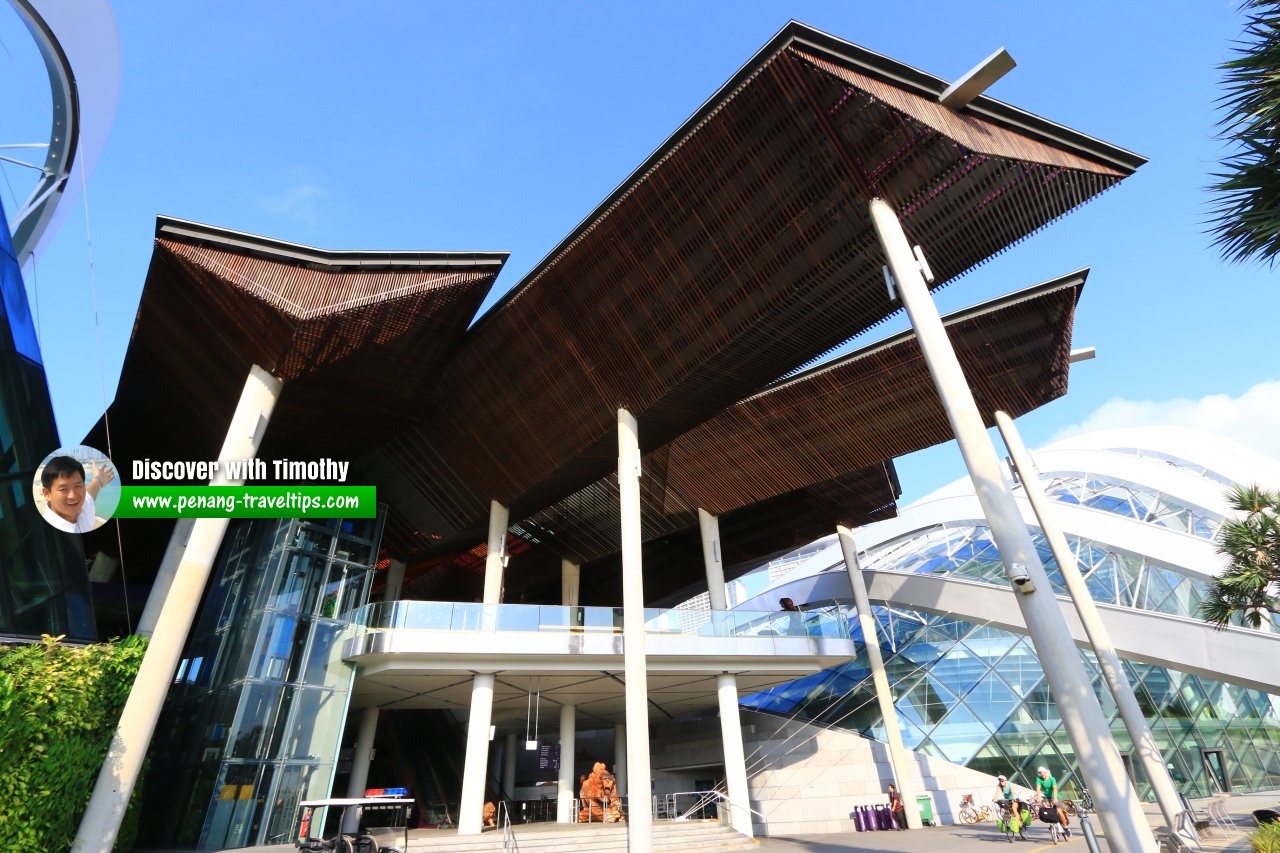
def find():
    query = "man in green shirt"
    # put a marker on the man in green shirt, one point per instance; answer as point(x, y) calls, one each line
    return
point(1047, 790)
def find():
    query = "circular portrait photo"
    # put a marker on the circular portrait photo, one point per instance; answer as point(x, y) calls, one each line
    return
point(76, 489)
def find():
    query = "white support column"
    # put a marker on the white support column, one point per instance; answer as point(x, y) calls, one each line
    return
point(567, 786)
point(900, 761)
point(173, 552)
point(128, 748)
point(471, 803)
point(495, 559)
point(360, 758)
point(1144, 744)
point(395, 581)
point(475, 768)
point(620, 758)
point(639, 815)
point(570, 583)
point(103, 568)
point(1126, 827)
point(709, 525)
point(509, 767)
point(735, 761)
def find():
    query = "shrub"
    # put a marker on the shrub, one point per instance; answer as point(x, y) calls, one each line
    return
point(58, 710)
point(1266, 839)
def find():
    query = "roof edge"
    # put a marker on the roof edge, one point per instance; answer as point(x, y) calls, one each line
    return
point(1072, 279)
point(876, 64)
point(241, 242)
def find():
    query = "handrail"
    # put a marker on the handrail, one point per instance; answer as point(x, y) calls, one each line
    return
point(705, 798)
point(508, 834)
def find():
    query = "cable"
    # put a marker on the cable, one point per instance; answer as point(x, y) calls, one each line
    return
point(102, 378)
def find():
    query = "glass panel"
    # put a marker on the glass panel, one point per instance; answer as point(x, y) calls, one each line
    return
point(960, 735)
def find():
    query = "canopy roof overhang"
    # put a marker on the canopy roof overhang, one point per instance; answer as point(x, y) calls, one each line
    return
point(738, 252)
point(783, 467)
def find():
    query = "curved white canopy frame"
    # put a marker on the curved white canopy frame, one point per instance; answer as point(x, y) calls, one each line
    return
point(81, 51)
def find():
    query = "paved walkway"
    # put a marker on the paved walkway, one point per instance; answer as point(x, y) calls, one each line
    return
point(978, 838)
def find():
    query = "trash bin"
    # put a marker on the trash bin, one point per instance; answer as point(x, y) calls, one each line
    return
point(926, 809)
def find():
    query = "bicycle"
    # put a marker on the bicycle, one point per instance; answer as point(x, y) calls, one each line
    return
point(1011, 823)
point(971, 813)
point(1086, 804)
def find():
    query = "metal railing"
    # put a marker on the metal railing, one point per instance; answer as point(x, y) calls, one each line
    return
point(509, 843)
point(668, 807)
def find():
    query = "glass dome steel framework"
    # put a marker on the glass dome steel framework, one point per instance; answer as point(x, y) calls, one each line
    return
point(977, 696)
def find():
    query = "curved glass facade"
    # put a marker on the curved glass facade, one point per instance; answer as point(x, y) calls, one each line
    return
point(977, 696)
point(1133, 500)
point(966, 550)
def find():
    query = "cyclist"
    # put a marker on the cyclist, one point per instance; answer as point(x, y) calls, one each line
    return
point(1013, 806)
point(1047, 796)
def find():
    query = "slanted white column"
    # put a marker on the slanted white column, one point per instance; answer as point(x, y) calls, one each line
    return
point(1126, 828)
point(639, 815)
point(620, 758)
point(570, 583)
point(509, 767)
point(173, 552)
point(495, 559)
point(900, 761)
point(567, 785)
point(128, 748)
point(735, 761)
point(395, 581)
point(360, 759)
point(709, 525)
point(1144, 744)
point(471, 804)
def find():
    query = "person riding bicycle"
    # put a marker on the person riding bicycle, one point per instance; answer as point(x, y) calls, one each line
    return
point(1047, 795)
point(1013, 805)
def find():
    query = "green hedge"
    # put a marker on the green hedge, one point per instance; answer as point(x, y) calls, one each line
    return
point(58, 710)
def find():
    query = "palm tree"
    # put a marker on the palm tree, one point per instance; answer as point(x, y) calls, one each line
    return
point(1245, 218)
point(1251, 542)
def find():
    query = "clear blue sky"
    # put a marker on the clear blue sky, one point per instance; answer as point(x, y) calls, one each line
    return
point(499, 125)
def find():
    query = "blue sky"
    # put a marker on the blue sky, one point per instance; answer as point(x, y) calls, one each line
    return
point(499, 125)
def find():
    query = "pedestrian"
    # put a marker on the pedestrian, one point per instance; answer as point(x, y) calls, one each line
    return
point(897, 808)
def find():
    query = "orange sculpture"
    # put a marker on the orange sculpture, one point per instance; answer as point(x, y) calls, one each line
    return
point(599, 797)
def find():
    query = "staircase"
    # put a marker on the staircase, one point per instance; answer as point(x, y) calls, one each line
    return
point(668, 837)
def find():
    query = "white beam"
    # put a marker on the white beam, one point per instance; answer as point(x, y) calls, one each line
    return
point(119, 773)
point(475, 764)
point(1126, 827)
point(961, 93)
point(900, 761)
point(1144, 744)
point(639, 816)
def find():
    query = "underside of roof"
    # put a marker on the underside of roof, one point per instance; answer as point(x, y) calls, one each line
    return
point(739, 252)
point(785, 466)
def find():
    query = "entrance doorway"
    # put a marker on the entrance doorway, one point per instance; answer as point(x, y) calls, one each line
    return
point(1215, 768)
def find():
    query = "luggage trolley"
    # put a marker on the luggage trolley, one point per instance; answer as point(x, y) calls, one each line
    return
point(382, 825)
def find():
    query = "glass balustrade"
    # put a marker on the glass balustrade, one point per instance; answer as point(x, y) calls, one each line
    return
point(832, 622)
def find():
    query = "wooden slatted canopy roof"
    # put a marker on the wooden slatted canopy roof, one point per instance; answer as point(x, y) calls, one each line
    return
point(357, 337)
point(739, 251)
point(784, 466)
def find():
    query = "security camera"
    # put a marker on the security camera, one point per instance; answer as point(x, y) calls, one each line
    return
point(1021, 579)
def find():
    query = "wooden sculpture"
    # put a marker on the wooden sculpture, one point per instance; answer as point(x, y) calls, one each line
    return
point(599, 797)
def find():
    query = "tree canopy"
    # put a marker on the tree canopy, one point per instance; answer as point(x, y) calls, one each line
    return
point(1245, 218)
point(1250, 586)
